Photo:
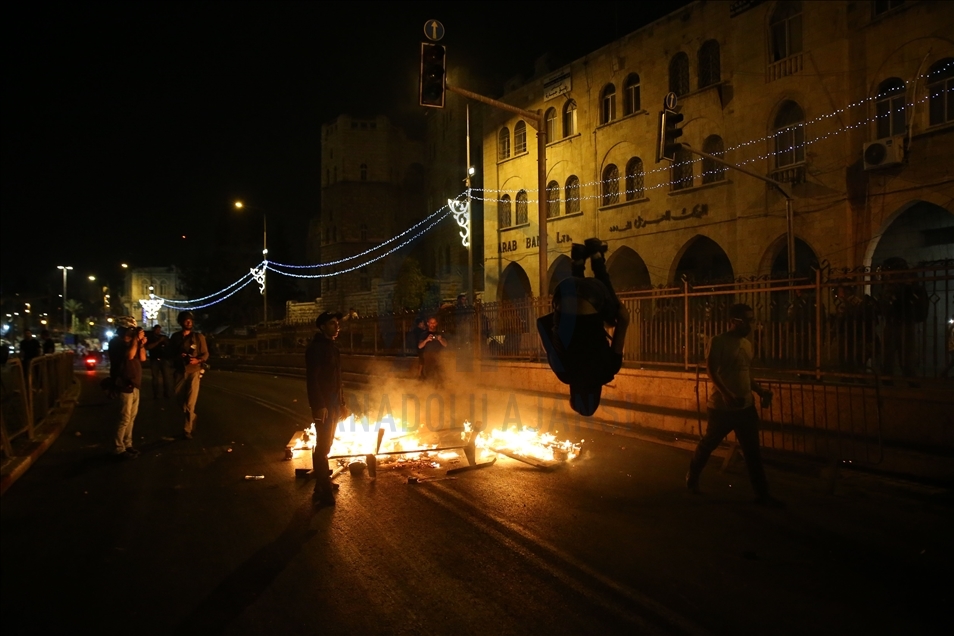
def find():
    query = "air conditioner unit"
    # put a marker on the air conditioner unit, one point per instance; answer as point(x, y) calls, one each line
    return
point(884, 152)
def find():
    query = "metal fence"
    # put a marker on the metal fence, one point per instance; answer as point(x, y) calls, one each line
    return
point(27, 398)
point(834, 322)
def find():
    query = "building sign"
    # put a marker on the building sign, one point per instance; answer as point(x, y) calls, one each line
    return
point(531, 243)
point(698, 211)
point(557, 84)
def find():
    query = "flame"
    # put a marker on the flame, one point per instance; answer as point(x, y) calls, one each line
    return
point(358, 440)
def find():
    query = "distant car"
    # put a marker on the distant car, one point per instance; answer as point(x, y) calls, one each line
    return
point(91, 361)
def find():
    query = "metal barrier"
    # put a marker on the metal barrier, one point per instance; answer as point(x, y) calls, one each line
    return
point(28, 398)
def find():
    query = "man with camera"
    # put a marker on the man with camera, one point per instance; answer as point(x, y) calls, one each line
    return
point(431, 345)
point(127, 352)
point(189, 352)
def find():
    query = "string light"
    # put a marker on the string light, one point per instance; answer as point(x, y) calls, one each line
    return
point(461, 211)
point(193, 307)
point(367, 251)
point(695, 160)
point(271, 266)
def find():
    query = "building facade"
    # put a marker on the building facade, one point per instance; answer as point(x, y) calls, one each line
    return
point(140, 283)
point(848, 105)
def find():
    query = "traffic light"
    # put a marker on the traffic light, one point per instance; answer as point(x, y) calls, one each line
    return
point(433, 73)
point(668, 134)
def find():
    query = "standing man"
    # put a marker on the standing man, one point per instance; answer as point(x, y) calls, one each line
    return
point(188, 351)
point(156, 345)
point(731, 406)
point(326, 399)
point(127, 352)
point(431, 345)
point(29, 349)
point(49, 346)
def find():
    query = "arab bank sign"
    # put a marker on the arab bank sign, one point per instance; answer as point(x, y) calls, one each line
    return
point(557, 84)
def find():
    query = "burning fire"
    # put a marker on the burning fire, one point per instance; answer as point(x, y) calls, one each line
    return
point(355, 441)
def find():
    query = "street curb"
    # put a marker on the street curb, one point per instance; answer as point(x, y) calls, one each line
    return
point(51, 429)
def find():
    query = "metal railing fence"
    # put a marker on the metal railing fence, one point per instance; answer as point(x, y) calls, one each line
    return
point(27, 398)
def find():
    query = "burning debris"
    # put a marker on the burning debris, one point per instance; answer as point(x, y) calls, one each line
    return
point(359, 447)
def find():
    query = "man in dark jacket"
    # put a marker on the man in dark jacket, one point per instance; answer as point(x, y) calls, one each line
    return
point(326, 399)
point(127, 352)
point(188, 351)
point(579, 350)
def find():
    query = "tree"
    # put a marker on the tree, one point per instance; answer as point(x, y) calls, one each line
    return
point(410, 286)
point(74, 306)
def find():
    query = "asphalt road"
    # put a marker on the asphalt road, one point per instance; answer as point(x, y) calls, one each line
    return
point(178, 541)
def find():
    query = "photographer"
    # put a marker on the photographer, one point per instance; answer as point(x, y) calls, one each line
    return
point(431, 344)
point(189, 352)
point(127, 352)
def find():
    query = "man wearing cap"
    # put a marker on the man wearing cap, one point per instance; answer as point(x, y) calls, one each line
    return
point(579, 350)
point(188, 352)
point(127, 352)
point(326, 399)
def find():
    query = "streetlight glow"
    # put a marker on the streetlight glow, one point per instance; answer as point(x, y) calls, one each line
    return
point(239, 205)
point(65, 269)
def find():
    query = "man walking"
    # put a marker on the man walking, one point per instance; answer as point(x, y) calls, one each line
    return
point(156, 344)
point(188, 351)
point(127, 352)
point(731, 406)
point(326, 399)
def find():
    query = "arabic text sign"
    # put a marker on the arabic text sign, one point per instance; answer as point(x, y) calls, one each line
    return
point(557, 84)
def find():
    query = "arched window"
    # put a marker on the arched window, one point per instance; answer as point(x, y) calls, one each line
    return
point(572, 195)
point(785, 30)
point(162, 288)
point(634, 179)
point(551, 123)
point(364, 172)
point(607, 104)
point(681, 170)
point(145, 289)
point(503, 144)
point(789, 135)
point(569, 118)
point(520, 138)
point(940, 84)
point(679, 74)
point(889, 108)
point(713, 171)
point(553, 199)
point(523, 216)
point(631, 94)
point(610, 185)
point(709, 71)
point(503, 212)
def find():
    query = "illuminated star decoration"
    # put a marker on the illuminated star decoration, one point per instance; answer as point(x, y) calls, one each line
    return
point(461, 211)
point(151, 306)
point(258, 273)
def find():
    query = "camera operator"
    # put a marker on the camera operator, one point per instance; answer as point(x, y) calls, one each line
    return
point(431, 345)
point(127, 352)
point(189, 352)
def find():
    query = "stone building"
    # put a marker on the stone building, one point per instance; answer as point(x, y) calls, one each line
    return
point(848, 105)
point(143, 281)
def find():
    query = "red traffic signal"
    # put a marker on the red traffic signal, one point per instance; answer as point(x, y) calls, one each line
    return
point(433, 74)
point(668, 134)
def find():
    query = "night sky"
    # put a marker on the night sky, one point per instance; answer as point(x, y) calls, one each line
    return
point(129, 128)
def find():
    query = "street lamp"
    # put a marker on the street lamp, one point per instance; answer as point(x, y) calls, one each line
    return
point(65, 268)
point(261, 277)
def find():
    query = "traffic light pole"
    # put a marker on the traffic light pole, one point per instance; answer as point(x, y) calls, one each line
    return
point(789, 212)
point(536, 120)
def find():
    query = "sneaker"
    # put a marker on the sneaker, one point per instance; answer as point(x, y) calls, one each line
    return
point(186, 435)
point(322, 501)
point(595, 246)
point(692, 484)
point(768, 501)
point(578, 252)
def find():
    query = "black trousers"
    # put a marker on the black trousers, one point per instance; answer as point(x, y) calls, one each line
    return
point(325, 437)
point(745, 424)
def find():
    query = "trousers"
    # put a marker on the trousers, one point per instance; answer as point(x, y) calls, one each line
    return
point(128, 409)
point(187, 392)
point(745, 424)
